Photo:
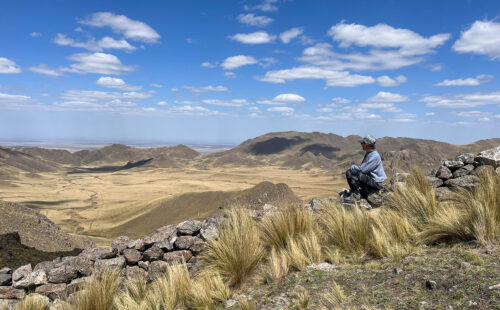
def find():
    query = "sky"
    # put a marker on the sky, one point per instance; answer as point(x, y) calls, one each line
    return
point(221, 72)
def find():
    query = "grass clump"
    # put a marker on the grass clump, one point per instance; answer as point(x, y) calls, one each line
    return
point(237, 252)
point(276, 267)
point(32, 302)
point(471, 215)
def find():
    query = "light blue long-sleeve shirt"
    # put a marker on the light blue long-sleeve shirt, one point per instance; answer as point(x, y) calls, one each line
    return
point(372, 166)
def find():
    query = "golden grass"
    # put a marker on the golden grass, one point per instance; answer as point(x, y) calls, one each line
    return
point(304, 250)
point(416, 199)
point(334, 297)
point(301, 298)
point(276, 267)
point(470, 215)
point(237, 252)
point(32, 302)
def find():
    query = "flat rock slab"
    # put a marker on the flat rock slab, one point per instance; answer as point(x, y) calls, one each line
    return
point(177, 256)
point(8, 292)
point(453, 164)
point(468, 181)
point(189, 227)
point(489, 157)
point(52, 291)
point(63, 274)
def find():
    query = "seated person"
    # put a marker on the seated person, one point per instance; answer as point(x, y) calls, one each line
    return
point(369, 176)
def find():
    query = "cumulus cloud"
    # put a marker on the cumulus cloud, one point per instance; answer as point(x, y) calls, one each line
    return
point(430, 114)
point(101, 63)
point(286, 111)
point(292, 98)
point(405, 118)
point(384, 107)
point(8, 66)
point(44, 69)
point(162, 103)
point(481, 38)
point(259, 37)
point(290, 34)
point(207, 64)
point(156, 85)
point(387, 81)
point(116, 83)
point(435, 67)
point(253, 20)
point(121, 24)
point(483, 78)
point(340, 101)
point(475, 114)
point(383, 96)
point(230, 75)
point(234, 62)
point(462, 100)
point(265, 6)
point(101, 100)
point(93, 45)
point(13, 99)
point(202, 89)
point(332, 78)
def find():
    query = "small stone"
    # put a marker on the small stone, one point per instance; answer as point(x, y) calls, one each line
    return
point(83, 265)
point(189, 227)
point(135, 272)
point(53, 291)
point(465, 265)
point(430, 285)
point(397, 270)
point(322, 266)
point(156, 269)
point(5, 270)
point(153, 254)
point(495, 287)
point(8, 292)
point(106, 264)
point(177, 256)
point(5, 279)
point(444, 173)
point(359, 270)
point(121, 243)
point(209, 233)
point(434, 182)
point(196, 245)
point(137, 245)
point(466, 158)
point(63, 274)
point(460, 172)
point(453, 164)
point(468, 181)
point(132, 256)
point(143, 264)
point(99, 253)
point(166, 244)
point(497, 170)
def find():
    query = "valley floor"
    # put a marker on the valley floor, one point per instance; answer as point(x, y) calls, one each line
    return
point(95, 204)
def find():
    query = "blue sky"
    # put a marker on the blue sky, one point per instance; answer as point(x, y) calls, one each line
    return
point(226, 71)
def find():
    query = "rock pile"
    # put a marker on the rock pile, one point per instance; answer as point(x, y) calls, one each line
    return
point(148, 257)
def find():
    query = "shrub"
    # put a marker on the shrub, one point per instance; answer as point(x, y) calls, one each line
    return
point(237, 251)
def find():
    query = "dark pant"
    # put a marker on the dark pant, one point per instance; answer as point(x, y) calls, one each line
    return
point(361, 183)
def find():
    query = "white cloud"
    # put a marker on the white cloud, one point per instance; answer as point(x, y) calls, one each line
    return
point(435, 67)
point(149, 109)
point(116, 83)
point(13, 99)
point(332, 78)
point(8, 66)
point(191, 41)
point(253, 109)
point(129, 28)
point(292, 98)
point(100, 100)
point(430, 114)
point(101, 63)
point(162, 103)
point(230, 75)
point(94, 95)
point(189, 108)
point(234, 62)
point(266, 62)
point(483, 78)
point(265, 6)
point(253, 20)
point(481, 38)
point(286, 111)
point(290, 34)
point(462, 100)
point(156, 85)
point(385, 36)
point(387, 81)
point(340, 101)
point(258, 37)
point(384, 107)
point(383, 96)
point(93, 45)
point(207, 64)
point(35, 34)
point(226, 103)
point(202, 89)
point(475, 114)
point(44, 69)
point(325, 110)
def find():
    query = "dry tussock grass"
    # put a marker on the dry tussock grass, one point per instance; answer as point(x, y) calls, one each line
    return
point(32, 302)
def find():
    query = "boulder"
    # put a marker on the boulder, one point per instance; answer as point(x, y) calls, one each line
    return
point(5, 270)
point(107, 264)
point(444, 173)
point(137, 245)
point(45, 266)
point(143, 264)
point(460, 172)
point(21, 272)
point(211, 232)
point(83, 265)
point(121, 243)
point(468, 181)
point(8, 292)
point(317, 204)
point(166, 244)
point(52, 291)
point(480, 169)
point(132, 257)
point(157, 269)
point(5, 279)
point(99, 253)
point(135, 272)
point(453, 164)
point(153, 254)
point(164, 233)
point(466, 158)
point(189, 227)
point(443, 193)
point(196, 245)
point(63, 274)
point(177, 256)
point(435, 182)
point(33, 279)
point(489, 157)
